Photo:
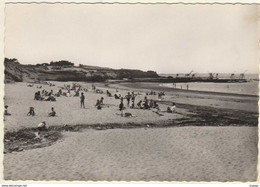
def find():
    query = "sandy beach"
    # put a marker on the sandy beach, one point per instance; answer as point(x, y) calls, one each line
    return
point(19, 97)
point(165, 154)
point(147, 91)
point(218, 142)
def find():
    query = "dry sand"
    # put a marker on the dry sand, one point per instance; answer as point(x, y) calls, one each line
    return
point(173, 154)
point(19, 98)
point(158, 154)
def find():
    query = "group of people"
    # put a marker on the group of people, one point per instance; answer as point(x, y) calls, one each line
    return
point(130, 98)
point(147, 104)
point(144, 104)
point(130, 101)
point(32, 112)
point(44, 95)
point(100, 103)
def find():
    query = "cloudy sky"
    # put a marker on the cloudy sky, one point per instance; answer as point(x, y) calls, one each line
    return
point(164, 38)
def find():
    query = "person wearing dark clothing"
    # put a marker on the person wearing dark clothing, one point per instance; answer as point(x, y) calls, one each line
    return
point(121, 106)
point(31, 112)
point(101, 100)
point(82, 99)
point(98, 105)
point(52, 113)
point(139, 104)
point(128, 97)
point(116, 96)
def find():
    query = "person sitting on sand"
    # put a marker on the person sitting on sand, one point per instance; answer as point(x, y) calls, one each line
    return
point(151, 104)
point(116, 96)
point(157, 111)
point(128, 114)
point(155, 104)
point(42, 126)
point(6, 111)
point(99, 91)
point(171, 109)
point(50, 93)
point(98, 105)
point(139, 104)
point(58, 94)
point(68, 93)
point(36, 97)
point(76, 93)
point(50, 98)
point(52, 113)
point(31, 112)
point(109, 94)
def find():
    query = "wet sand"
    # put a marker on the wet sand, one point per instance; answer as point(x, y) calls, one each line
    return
point(200, 98)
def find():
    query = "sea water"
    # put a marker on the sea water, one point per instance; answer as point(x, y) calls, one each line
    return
point(248, 88)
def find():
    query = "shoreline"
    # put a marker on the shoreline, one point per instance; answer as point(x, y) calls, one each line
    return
point(214, 131)
point(156, 86)
point(25, 139)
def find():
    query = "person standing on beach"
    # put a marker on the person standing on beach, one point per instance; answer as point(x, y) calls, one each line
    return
point(128, 97)
point(82, 99)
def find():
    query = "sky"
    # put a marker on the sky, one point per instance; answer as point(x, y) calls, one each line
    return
point(164, 38)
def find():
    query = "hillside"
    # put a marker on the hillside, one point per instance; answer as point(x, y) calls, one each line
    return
point(60, 71)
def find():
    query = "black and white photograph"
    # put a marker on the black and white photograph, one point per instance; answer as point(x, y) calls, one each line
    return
point(131, 92)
